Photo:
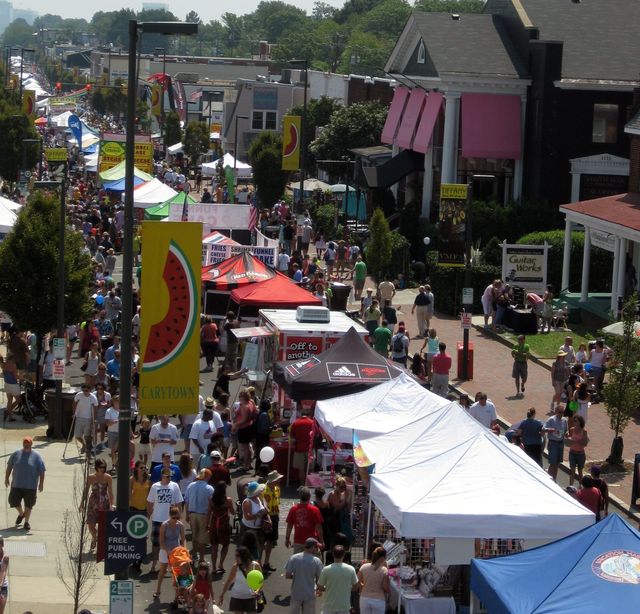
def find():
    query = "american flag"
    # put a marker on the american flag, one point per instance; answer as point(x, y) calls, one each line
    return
point(253, 215)
point(195, 96)
point(185, 208)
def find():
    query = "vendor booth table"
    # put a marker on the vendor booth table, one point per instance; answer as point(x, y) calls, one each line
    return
point(414, 602)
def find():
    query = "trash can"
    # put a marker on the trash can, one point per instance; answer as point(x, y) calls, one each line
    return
point(60, 424)
point(340, 296)
point(469, 357)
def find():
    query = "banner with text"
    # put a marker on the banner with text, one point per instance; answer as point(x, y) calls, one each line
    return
point(212, 254)
point(525, 266)
point(291, 142)
point(112, 152)
point(452, 224)
point(170, 343)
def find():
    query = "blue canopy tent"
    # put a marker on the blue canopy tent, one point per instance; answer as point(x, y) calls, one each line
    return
point(596, 570)
point(118, 184)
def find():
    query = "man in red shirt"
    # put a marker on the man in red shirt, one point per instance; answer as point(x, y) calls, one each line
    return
point(590, 496)
point(305, 520)
point(441, 367)
point(300, 435)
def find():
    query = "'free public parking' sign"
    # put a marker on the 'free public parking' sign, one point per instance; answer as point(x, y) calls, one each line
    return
point(125, 539)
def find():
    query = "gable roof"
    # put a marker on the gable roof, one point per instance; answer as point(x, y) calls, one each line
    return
point(600, 38)
point(474, 44)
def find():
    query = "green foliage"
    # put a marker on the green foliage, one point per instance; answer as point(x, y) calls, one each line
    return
point(386, 19)
point(112, 27)
point(265, 157)
point(378, 248)
point(142, 115)
point(447, 283)
point(416, 229)
point(601, 260)
point(492, 252)
point(195, 141)
point(324, 219)
point(366, 54)
point(18, 34)
point(172, 129)
point(274, 20)
point(358, 125)
point(13, 130)
point(621, 392)
point(450, 6)
point(399, 254)
point(29, 268)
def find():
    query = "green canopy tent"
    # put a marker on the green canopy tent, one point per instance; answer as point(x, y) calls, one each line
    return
point(159, 212)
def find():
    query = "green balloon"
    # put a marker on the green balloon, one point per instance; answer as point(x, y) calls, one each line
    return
point(255, 580)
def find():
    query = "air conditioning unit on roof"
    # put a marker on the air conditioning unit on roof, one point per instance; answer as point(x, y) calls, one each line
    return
point(313, 314)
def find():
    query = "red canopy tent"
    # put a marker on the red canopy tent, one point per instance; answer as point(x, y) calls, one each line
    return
point(277, 293)
point(236, 271)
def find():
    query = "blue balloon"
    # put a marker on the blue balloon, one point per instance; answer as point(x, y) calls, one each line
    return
point(587, 367)
point(99, 299)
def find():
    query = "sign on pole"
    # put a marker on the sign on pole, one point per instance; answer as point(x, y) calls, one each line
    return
point(121, 597)
point(525, 266)
point(465, 320)
point(452, 220)
point(56, 154)
point(125, 540)
point(57, 373)
point(59, 348)
point(467, 296)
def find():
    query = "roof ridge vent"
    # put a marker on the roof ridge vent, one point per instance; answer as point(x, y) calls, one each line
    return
point(455, 16)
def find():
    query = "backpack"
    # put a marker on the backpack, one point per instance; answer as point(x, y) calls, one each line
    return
point(398, 344)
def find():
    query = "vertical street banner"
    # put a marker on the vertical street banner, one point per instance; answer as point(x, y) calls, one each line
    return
point(29, 104)
point(170, 320)
point(75, 125)
point(525, 266)
point(291, 142)
point(156, 97)
point(452, 224)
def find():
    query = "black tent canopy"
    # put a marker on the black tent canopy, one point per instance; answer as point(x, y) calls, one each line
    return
point(347, 367)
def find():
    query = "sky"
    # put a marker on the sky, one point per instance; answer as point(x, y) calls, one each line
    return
point(207, 10)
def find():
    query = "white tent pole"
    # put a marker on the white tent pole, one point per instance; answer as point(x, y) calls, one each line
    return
point(402, 561)
point(368, 527)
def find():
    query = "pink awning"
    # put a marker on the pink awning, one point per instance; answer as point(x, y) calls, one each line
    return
point(428, 120)
point(491, 126)
point(393, 116)
point(410, 119)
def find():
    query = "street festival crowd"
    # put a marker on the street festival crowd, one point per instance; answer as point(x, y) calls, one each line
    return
point(180, 468)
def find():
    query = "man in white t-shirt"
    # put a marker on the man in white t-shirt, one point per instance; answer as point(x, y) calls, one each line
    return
point(484, 411)
point(163, 437)
point(283, 262)
point(203, 430)
point(84, 406)
point(112, 418)
point(161, 497)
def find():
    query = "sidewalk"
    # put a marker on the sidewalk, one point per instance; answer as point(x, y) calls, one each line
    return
point(492, 374)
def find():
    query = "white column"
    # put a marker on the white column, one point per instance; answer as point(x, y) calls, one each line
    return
point(518, 167)
point(614, 275)
point(586, 263)
point(622, 261)
point(450, 139)
point(427, 183)
point(566, 256)
point(575, 187)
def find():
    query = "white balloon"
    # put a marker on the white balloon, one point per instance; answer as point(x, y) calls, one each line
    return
point(267, 454)
point(426, 240)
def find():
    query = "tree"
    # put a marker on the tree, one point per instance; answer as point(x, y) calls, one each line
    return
point(172, 129)
point(76, 569)
point(366, 54)
point(195, 141)
point(18, 34)
point(275, 20)
point(378, 248)
point(265, 156)
point(193, 17)
point(323, 10)
point(450, 6)
point(12, 149)
point(358, 125)
point(29, 268)
point(621, 392)
point(387, 19)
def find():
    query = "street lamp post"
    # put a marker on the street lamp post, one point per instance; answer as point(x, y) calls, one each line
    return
point(22, 50)
point(304, 64)
point(164, 68)
point(124, 422)
point(235, 145)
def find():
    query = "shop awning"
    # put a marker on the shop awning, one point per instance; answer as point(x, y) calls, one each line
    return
point(491, 126)
point(428, 119)
point(250, 332)
point(393, 116)
point(410, 119)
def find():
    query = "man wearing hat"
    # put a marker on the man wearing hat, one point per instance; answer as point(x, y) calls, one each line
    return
point(203, 429)
point(197, 498)
point(219, 473)
point(28, 469)
point(271, 496)
point(304, 568)
point(560, 373)
point(520, 353)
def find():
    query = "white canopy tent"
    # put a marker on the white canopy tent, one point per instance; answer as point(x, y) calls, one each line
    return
point(7, 218)
point(62, 120)
point(152, 193)
point(243, 170)
point(174, 149)
point(9, 204)
point(446, 475)
point(377, 411)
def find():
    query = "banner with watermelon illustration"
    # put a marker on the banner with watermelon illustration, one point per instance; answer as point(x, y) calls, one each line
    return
point(291, 142)
point(170, 318)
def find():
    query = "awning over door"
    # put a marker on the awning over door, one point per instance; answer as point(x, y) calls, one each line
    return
point(410, 119)
point(395, 113)
point(428, 119)
point(491, 126)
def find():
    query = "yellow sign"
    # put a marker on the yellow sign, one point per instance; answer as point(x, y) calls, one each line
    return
point(170, 321)
point(453, 190)
point(156, 100)
point(291, 134)
point(29, 104)
point(56, 154)
point(113, 152)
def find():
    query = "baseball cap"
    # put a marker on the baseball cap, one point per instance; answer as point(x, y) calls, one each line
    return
point(27, 440)
point(311, 542)
point(215, 455)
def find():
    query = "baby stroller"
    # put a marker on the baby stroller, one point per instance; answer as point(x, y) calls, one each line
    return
point(182, 571)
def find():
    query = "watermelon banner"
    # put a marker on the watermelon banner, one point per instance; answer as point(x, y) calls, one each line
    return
point(170, 318)
point(291, 142)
